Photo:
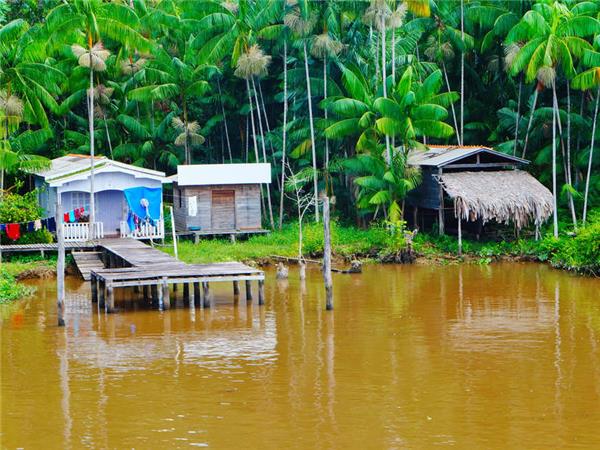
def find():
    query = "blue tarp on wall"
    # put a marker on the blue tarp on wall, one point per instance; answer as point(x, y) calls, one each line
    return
point(134, 198)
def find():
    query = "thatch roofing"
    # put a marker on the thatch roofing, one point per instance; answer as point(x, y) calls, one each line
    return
point(505, 196)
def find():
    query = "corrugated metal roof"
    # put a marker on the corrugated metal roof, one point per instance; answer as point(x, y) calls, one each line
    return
point(215, 174)
point(439, 155)
point(71, 165)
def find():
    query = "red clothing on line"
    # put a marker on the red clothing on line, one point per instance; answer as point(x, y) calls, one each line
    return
point(13, 231)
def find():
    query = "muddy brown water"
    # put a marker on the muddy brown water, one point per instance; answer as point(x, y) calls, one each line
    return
point(499, 356)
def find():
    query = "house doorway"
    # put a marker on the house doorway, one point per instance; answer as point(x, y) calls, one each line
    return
point(110, 211)
point(223, 210)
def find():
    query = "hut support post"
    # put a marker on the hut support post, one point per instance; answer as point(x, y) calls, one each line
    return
point(102, 293)
point(236, 288)
point(154, 293)
point(174, 234)
point(459, 236)
point(327, 256)
point(186, 293)
point(441, 209)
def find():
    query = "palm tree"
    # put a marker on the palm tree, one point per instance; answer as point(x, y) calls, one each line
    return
point(189, 135)
point(25, 71)
point(589, 79)
point(251, 64)
point(324, 46)
point(89, 21)
point(17, 157)
point(180, 77)
point(554, 36)
point(301, 20)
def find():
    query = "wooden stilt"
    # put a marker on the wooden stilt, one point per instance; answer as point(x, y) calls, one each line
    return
point(248, 291)
point(110, 299)
point(236, 288)
point(441, 208)
point(154, 293)
point(186, 293)
point(261, 292)
point(94, 286)
point(102, 293)
point(206, 295)
point(197, 297)
point(136, 289)
point(145, 292)
point(165, 294)
point(459, 236)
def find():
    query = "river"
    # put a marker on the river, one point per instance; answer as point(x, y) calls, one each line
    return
point(498, 356)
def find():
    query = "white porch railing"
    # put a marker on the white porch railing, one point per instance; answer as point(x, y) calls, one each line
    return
point(74, 232)
point(145, 231)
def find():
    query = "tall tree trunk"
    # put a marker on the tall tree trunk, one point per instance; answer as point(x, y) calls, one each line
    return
point(252, 122)
point(554, 187)
point(188, 159)
point(325, 112)
point(590, 160)
point(264, 109)
point(284, 132)
point(568, 161)
point(393, 56)
point(264, 151)
point(92, 154)
point(535, 97)
point(107, 134)
point(225, 121)
point(388, 149)
point(451, 103)
point(462, 73)
point(312, 135)
point(517, 118)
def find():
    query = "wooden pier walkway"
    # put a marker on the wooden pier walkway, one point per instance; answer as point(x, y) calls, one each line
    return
point(132, 264)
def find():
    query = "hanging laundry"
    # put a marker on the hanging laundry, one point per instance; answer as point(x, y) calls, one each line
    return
point(13, 231)
point(29, 227)
point(37, 225)
point(51, 224)
point(66, 217)
point(72, 216)
point(77, 214)
point(2, 228)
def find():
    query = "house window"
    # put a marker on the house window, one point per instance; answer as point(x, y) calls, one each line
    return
point(79, 199)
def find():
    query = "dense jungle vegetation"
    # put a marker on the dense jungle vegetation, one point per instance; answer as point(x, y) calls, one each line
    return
point(332, 93)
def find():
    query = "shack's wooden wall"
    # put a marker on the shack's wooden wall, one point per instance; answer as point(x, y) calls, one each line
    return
point(427, 194)
point(247, 206)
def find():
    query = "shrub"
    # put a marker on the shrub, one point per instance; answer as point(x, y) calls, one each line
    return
point(36, 237)
point(11, 290)
point(20, 208)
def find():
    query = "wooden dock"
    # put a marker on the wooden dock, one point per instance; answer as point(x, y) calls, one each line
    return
point(132, 264)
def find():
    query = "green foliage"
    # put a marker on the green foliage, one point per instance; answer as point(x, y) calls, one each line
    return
point(42, 236)
point(580, 253)
point(20, 208)
point(10, 290)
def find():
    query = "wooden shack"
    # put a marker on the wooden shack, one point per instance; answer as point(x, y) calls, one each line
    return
point(475, 185)
point(219, 198)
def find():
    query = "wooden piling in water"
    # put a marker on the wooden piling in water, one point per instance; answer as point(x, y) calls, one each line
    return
point(94, 287)
point(102, 293)
point(154, 294)
point(60, 265)
point(248, 291)
point(236, 288)
point(197, 296)
point(110, 299)
point(206, 295)
point(261, 292)
point(165, 294)
point(327, 256)
point(186, 293)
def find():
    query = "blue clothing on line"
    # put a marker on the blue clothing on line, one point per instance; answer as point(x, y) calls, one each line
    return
point(134, 197)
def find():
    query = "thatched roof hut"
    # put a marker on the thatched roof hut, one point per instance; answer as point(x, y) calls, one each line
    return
point(505, 196)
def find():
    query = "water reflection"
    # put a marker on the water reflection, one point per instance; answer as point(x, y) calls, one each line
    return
point(495, 356)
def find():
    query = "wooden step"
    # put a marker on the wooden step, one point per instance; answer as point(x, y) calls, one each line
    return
point(86, 262)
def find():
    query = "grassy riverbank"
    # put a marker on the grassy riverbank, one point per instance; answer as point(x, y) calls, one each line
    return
point(579, 253)
point(18, 267)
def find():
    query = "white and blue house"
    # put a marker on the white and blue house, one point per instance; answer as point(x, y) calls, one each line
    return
point(122, 192)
